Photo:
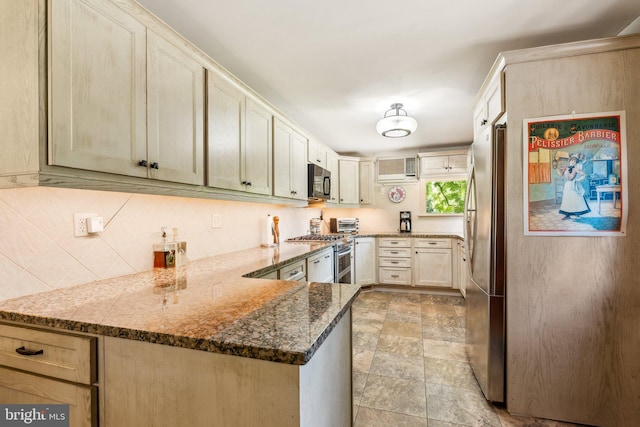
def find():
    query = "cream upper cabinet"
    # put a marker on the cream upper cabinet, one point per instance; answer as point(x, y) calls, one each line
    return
point(333, 165)
point(317, 154)
point(98, 114)
point(225, 134)
point(366, 182)
point(258, 148)
point(175, 107)
point(349, 181)
point(440, 164)
point(289, 162)
point(19, 88)
point(123, 99)
point(239, 141)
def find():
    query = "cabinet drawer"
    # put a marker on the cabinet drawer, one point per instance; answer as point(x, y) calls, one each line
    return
point(394, 262)
point(433, 243)
point(389, 242)
point(64, 356)
point(22, 388)
point(394, 276)
point(394, 252)
point(293, 271)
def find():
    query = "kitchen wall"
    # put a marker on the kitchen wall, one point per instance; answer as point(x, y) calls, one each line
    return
point(385, 216)
point(39, 252)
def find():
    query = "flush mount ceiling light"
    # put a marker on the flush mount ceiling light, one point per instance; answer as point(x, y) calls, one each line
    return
point(396, 123)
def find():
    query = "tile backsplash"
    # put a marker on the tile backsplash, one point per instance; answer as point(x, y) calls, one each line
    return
point(38, 250)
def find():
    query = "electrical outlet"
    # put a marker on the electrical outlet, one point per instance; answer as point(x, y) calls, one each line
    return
point(216, 221)
point(80, 223)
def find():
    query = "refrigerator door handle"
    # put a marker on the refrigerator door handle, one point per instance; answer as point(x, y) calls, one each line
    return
point(470, 213)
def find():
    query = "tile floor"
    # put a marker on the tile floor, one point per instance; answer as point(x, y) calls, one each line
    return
point(410, 366)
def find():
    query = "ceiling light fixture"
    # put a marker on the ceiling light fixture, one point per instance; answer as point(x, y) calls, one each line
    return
point(396, 125)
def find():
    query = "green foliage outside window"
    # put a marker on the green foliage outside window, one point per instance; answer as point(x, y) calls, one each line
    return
point(445, 197)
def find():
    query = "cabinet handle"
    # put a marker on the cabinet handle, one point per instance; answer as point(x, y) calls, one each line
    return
point(243, 182)
point(395, 276)
point(142, 163)
point(483, 122)
point(394, 243)
point(23, 351)
point(395, 262)
point(155, 165)
point(316, 262)
point(396, 252)
point(249, 183)
point(318, 160)
point(327, 256)
point(433, 243)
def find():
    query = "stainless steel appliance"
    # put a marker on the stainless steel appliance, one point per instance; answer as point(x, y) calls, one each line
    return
point(342, 254)
point(405, 222)
point(344, 225)
point(485, 241)
point(318, 183)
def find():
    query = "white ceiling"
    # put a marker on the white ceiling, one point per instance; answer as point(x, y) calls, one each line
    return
point(335, 66)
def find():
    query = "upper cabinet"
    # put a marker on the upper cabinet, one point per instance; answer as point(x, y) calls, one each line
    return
point(317, 154)
point(490, 106)
point(239, 140)
point(437, 164)
point(175, 113)
point(136, 108)
point(19, 162)
point(333, 165)
point(349, 181)
point(366, 184)
point(289, 162)
point(98, 109)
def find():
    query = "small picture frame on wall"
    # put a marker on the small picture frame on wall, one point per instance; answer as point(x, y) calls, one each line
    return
point(575, 175)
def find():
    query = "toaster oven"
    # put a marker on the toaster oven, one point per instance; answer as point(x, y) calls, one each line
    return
point(344, 225)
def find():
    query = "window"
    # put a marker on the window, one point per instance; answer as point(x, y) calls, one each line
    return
point(443, 197)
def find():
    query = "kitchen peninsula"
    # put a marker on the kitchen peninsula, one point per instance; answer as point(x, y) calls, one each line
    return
point(198, 344)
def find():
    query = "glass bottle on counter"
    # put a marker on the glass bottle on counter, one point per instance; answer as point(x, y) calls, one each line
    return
point(164, 253)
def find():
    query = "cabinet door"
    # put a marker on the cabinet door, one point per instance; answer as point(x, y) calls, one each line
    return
point(298, 165)
point(366, 186)
point(458, 163)
point(175, 85)
point(281, 150)
point(434, 165)
point(349, 181)
point(334, 167)
point(317, 154)
point(98, 88)
point(432, 267)
point(258, 151)
point(225, 133)
point(18, 387)
point(365, 260)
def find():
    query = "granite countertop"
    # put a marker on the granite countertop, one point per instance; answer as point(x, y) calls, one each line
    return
point(204, 305)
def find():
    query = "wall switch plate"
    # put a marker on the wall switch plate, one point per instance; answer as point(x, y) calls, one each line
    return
point(80, 223)
point(216, 221)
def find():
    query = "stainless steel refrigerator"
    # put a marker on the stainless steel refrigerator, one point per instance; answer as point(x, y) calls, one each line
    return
point(485, 241)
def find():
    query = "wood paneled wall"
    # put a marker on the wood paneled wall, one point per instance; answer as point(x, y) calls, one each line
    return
point(573, 303)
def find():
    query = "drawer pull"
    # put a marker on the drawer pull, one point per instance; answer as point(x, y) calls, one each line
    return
point(433, 243)
point(23, 351)
point(394, 243)
point(395, 252)
point(395, 262)
point(395, 276)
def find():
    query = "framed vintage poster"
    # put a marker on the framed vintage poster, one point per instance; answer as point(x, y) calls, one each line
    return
point(575, 175)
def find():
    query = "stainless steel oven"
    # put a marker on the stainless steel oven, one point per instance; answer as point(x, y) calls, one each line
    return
point(344, 261)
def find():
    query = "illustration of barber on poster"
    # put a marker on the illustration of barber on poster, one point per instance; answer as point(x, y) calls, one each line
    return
point(575, 175)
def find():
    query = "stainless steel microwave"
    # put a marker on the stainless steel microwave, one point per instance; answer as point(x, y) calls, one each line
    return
point(344, 225)
point(319, 183)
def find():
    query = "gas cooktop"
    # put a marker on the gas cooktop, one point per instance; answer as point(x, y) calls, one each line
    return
point(318, 238)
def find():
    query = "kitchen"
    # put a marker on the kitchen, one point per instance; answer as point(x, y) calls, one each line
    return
point(39, 251)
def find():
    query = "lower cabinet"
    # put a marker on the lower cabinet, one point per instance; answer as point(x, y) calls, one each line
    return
point(43, 367)
point(320, 267)
point(433, 263)
point(365, 260)
point(295, 271)
point(394, 261)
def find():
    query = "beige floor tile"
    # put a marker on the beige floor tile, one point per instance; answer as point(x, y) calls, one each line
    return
point(445, 350)
point(367, 325)
point(398, 366)
point(362, 360)
point(402, 329)
point(400, 345)
point(460, 405)
point(368, 417)
point(449, 372)
point(365, 340)
point(404, 307)
point(395, 395)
